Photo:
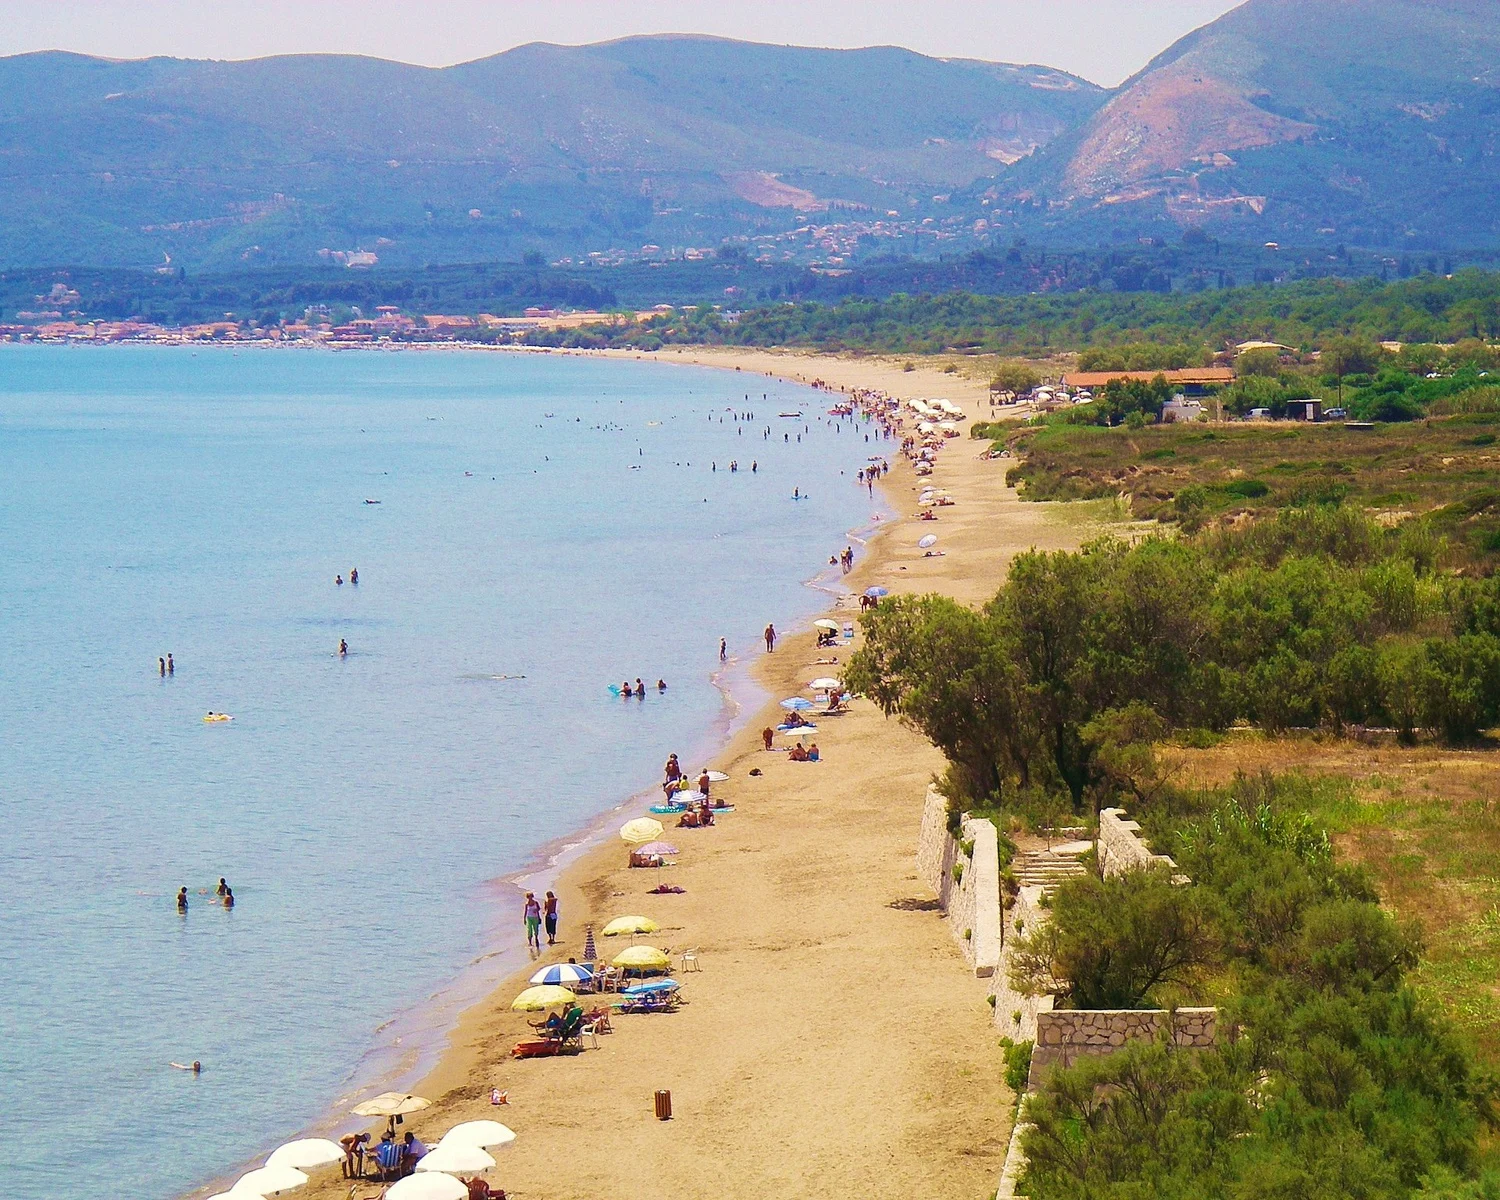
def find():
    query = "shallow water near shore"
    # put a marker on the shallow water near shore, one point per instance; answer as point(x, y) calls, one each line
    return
point(201, 503)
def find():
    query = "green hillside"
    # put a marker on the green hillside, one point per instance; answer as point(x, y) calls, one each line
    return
point(670, 139)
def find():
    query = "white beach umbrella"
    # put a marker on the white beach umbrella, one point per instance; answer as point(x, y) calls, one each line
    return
point(268, 1181)
point(430, 1185)
point(825, 623)
point(485, 1134)
point(306, 1152)
point(824, 684)
point(717, 777)
point(798, 731)
point(929, 541)
point(455, 1158)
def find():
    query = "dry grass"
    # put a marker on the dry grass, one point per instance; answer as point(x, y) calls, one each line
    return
point(1426, 822)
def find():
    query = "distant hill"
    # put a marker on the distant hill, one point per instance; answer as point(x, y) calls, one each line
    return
point(1375, 120)
point(654, 138)
point(1371, 123)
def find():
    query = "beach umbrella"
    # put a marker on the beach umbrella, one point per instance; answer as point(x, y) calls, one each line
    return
point(824, 684)
point(929, 540)
point(306, 1152)
point(455, 1157)
point(796, 703)
point(642, 829)
point(796, 730)
point(430, 1185)
point(630, 925)
point(877, 591)
point(662, 848)
point(591, 951)
point(825, 623)
point(487, 1135)
point(563, 975)
point(534, 999)
point(642, 958)
point(268, 1181)
point(686, 798)
point(391, 1104)
point(717, 777)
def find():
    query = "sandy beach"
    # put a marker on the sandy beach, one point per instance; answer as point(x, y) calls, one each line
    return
point(834, 1041)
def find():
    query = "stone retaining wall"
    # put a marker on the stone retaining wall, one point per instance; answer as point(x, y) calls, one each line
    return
point(1121, 848)
point(971, 905)
point(1066, 1035)
point(1015, 1014)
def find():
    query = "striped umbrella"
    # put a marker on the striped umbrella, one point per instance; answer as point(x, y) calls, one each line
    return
point(563, 975)
point(590, 951)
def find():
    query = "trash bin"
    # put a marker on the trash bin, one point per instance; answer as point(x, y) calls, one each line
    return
point(663, 1106)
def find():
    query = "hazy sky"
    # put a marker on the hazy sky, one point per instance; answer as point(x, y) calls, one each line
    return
point(1103, 40)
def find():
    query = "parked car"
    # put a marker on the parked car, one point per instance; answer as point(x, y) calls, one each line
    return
point(1335, 414)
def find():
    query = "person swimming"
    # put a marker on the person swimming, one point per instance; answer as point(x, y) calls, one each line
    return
point(196, 1066)
point(661, 685)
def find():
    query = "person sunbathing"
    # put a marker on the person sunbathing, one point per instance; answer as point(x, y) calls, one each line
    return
point(798, 754)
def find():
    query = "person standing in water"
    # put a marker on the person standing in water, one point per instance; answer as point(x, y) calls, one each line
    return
point(228, 898)
point(338, 581)
point(723, 650)
point(223, 889)
point(161, 666)
point(531, 913)
point(770, 636)
point(353, 574)
point(182, 900)
point(549, 915)
point(171, 666)
point(343, 648)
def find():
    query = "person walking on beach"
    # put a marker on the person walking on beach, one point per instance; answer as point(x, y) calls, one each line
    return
point(723, 650)
point(533, 917)
point(549, 915)
point(770, 637)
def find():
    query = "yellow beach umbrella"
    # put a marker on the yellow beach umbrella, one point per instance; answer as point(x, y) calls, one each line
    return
point(642, 829)
point(548, 995)
point(642, 958)
point(630, 925)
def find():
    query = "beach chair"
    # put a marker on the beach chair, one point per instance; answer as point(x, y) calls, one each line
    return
point(690, 960)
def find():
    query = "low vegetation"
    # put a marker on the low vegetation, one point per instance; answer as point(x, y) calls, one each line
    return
point(1333, 1076)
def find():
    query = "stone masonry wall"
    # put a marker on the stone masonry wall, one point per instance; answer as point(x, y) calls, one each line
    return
point(1015, 1014)
point(1064, 1036)
point(1121, 847)
point(972, 904)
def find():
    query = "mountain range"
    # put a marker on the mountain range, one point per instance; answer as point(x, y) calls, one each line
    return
point(1372, 122)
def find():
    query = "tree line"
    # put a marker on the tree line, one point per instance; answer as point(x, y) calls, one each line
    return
point(1318, 617)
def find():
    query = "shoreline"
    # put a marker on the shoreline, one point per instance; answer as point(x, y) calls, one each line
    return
point(574, 862)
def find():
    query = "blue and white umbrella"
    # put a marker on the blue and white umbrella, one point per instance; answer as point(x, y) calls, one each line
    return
point(877, 591)
point(928, 541)
point(796, 703)
point(563, 975)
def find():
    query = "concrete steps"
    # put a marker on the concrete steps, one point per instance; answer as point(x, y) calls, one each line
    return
point(1047, 868)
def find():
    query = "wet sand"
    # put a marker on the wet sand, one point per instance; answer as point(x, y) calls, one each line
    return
point(834, 1043)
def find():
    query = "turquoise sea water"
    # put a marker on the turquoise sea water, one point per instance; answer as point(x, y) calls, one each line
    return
point(364, 810)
